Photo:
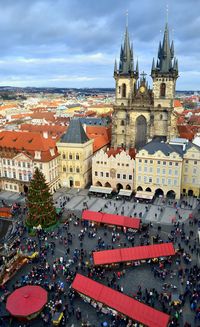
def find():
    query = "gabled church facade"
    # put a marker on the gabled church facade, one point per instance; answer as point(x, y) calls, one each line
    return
point(140, 113)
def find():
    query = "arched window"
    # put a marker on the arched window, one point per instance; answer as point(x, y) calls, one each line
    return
point(77, 156)
point(77, 170)
point(124, 90)
point(64, 169)
point(64, 156)
point(122, 122)
point(162, 89)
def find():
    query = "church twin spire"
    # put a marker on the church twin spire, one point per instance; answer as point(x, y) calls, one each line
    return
point(166, 63)
point(126, 63)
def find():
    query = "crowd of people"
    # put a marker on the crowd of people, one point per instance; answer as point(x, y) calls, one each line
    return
point(68, 250)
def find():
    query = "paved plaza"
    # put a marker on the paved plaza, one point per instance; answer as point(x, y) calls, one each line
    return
point(136, 280)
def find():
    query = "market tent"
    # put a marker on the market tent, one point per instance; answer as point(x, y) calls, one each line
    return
point(92, 215)
point(133, 253)
point(144, 195)
point(120, 302)
point(111, 219)
point(100, 189)
point(26, 301)
point(125, 192)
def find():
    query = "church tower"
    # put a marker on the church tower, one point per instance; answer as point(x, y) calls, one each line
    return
point(125, 75)
point(164, 74)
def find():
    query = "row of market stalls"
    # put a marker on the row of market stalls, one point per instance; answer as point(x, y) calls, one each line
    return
point(144, 195)
point(111, 219)
point(111, 301)
point(126, 255)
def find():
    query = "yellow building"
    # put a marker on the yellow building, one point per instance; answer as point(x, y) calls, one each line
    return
point(114, 168)
point(191, 170)
point(168, 169)
point(76, 151)
point(158, 169)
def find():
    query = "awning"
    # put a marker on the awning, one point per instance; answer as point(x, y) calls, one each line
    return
point(133, 254)
point(100, 189)
point(27, 300)
point(120, 302)
point(144, 195)
point(111, 219)
point(125, 192)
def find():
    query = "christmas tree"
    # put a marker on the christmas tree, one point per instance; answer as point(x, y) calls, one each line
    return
point(40, 203)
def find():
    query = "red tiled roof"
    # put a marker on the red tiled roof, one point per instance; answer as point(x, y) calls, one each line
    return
point(49, 116)
point(177, 103)
point(28, 142)
point(113, 152)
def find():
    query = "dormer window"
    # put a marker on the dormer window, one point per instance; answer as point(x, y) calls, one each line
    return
point(37, 154)
point(52, 151)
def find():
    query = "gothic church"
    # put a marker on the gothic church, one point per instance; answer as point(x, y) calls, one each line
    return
point(139, 113)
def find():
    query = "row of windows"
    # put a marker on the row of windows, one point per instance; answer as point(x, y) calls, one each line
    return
point(10, 187)
point(159, 181)
point(163, 171)
point(119, 176)
point(20, 176)
point(194, 162)
point(118, 164)
point(71, 156)
point(194, 171)
point(16, 163)
point(159, 162)
point(71, 170)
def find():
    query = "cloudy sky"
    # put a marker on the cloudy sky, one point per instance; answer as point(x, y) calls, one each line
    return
point(73, 43)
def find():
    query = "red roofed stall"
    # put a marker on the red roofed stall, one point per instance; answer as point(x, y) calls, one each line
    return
point(110, 219)
point(120, 302)
point(133, 253)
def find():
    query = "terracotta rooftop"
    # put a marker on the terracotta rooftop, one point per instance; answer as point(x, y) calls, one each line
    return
point(28, 142)
point(113, 152)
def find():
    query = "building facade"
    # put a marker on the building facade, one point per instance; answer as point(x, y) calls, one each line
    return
point(139, 114)
point(168, 169)
point(20, 154)
point(76, 151)
point(114, 168)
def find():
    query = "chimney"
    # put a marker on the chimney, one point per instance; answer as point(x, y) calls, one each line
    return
point(45, 135)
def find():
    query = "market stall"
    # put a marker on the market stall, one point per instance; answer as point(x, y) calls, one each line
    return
point(26, 302)
point(136, 253)
point(111, 301)
point(111, 219)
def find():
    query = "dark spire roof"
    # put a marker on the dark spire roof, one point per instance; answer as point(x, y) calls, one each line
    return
point(75, 133)
point(165, 63)
point(126, 63)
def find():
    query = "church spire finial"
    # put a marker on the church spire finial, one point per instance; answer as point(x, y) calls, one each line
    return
point(127, 18)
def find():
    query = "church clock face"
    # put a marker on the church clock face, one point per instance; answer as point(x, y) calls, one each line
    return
point(142, 89)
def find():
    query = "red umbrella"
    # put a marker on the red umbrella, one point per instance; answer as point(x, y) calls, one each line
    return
point(26, 301)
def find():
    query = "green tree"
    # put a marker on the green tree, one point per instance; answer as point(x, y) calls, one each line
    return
point(41, 210)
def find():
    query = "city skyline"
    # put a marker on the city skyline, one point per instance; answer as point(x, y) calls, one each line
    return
point(73, 44)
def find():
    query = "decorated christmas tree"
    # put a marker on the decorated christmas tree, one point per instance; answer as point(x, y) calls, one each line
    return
point(41, 211)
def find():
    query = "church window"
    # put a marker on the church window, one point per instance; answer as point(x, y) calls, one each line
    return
point(124, 90)
point(122, 123)
point(162, 89)
point(107, 174)
point(124, 176)
point(118, 175)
